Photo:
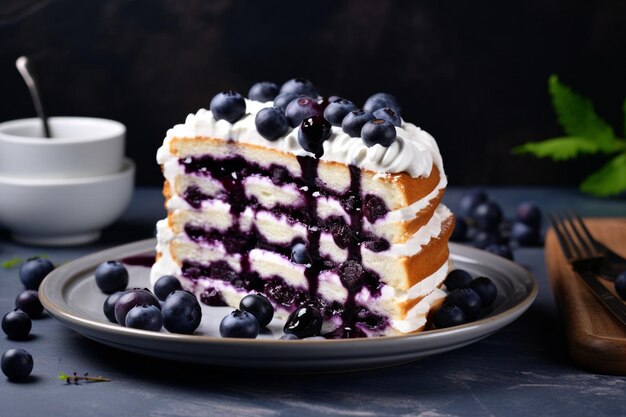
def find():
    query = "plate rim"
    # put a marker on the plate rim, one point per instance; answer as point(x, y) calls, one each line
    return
point(489, 324)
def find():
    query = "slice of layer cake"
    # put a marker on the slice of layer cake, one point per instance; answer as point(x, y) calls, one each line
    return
point(279, 201)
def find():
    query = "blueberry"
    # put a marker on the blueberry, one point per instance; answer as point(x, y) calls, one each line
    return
point(130, 299)
point(388, 114)
point(166, 285)
point(374, 208)
point(289, 336)
point(17, 364)
point(459, 234)
point(351, 274)
point(28, 302)
point(109, 305)
point(16, 324)
point(228, 105)
point(378, 132)
point(448, 316)
point(282, 100)
point(381, 100)
point(259, 306)
point(524, 234)
point(457, 278)
point(145, 317)
point(263, 91)
point(271, 123)
point(239, 324)
point(312, 134)
point(337, 110)
point(467, 300)
point(304, 322)
point(470, 200)
point(529, 214)
point(354, 122)
point(299, 86)
point(301, 108)
point(488, 215)
point(484, 238)
point(181, 313)
point(111, 276)
point(620, 285)
point(485, 289)
point(299, 254)
point(33, 271)
point(500, 250)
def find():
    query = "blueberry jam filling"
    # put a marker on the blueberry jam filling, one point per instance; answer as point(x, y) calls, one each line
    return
point(356, 320)
point(213, 298)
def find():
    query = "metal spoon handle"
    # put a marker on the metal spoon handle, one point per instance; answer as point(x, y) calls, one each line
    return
point(23, 67)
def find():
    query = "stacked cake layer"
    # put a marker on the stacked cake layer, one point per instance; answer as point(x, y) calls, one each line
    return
point(370, 220)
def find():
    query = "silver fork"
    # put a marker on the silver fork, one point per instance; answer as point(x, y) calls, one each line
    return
point(584, 256)
point(612, 264)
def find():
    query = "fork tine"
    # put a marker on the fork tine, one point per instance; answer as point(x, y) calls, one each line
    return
point(590, 238)
point(559, 234)
point(586, 248)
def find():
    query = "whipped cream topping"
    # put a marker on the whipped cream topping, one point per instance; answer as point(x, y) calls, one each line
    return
point(414, 151)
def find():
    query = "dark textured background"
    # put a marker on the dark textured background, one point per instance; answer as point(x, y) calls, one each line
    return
point(471, 73)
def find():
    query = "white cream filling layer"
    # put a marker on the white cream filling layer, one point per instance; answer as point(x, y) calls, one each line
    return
point(216, 215)
point(414, 151)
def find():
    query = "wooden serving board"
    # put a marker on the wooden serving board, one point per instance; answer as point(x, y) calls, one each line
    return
point(596, 339)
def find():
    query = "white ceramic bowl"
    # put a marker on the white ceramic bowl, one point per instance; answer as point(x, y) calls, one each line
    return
point(80, 147)
point(62, 212)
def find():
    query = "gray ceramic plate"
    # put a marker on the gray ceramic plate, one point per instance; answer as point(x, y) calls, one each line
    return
point(70, 294)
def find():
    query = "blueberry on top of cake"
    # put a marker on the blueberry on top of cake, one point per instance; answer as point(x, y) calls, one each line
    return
point(309, 201)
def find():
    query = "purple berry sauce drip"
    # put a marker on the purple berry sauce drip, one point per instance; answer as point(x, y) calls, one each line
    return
point(229, 173)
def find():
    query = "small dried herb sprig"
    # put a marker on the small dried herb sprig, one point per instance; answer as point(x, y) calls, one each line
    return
point(75, 379)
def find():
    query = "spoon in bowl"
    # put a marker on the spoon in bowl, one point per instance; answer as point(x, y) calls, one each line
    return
point(23, 66)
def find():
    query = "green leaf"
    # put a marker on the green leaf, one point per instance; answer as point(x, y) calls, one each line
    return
point(559, 149)
point(63, 376)
point(609, 180)
point(15, 261)
point(577, 116)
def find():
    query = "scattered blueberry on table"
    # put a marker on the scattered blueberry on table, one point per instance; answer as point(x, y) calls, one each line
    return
point(481, 222)
point(33, 271)
point(16, 325)
point(16, 364)
point(28, 302)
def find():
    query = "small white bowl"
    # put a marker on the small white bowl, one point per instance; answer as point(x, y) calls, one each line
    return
point(80, 147)
point(62, 212)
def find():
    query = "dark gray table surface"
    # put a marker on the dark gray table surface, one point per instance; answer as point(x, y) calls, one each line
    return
point(521, 370)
